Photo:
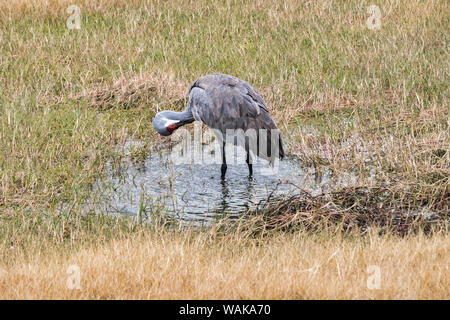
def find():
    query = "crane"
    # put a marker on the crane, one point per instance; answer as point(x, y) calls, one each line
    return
point(226, 104)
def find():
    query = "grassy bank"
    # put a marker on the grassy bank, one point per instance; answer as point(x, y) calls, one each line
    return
point(346, 98)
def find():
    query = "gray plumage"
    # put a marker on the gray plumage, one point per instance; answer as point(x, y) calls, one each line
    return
point(223, 102)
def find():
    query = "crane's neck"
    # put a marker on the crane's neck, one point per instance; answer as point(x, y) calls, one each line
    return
point(184, 116)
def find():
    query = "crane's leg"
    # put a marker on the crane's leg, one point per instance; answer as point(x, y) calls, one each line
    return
point(247, 149)
point(223, 169)
point(250, 166)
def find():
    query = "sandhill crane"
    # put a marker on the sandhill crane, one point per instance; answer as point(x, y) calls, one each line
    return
point(225, 103)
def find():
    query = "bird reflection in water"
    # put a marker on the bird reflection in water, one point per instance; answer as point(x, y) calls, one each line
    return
point(245, 198)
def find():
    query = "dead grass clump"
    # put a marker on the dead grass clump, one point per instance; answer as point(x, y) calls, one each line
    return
point(129, 92)
point(351, 209)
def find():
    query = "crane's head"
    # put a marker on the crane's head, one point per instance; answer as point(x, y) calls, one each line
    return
point(164, 124)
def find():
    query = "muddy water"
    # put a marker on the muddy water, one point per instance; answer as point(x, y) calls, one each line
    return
point(196, 193)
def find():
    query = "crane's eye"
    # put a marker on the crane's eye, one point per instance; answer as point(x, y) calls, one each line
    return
point(171, 127)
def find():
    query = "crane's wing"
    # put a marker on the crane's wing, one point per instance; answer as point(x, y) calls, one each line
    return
point(225, 102)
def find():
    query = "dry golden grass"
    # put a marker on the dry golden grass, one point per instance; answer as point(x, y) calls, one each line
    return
point(198, 266)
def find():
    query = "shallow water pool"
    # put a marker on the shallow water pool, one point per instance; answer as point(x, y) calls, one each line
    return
point(196, 192)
